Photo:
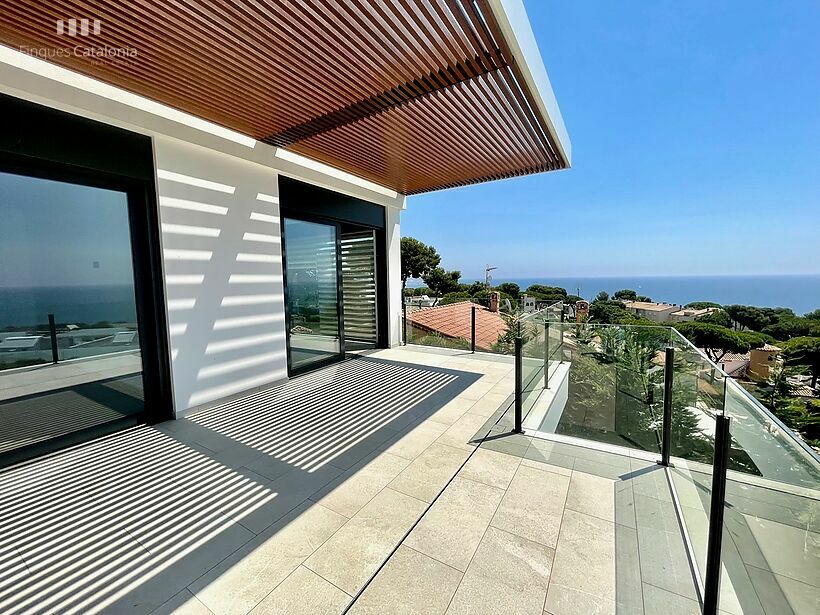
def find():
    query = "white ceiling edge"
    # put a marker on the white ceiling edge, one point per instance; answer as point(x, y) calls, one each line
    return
point(515, 27)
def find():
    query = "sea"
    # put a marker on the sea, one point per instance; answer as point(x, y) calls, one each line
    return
point(801, 293)
point(22, 307)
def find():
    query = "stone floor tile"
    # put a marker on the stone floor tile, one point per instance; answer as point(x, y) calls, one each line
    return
point(563, 600)
point(287, 492)
point(184, 603)
point(416, 441)
point(167, 580)
point(592, 495)
point(353, 553)
point(488, 404)
point(478, 390)
point(508, 574)
point(303, 593)
point(612, 469)
point(504, 445)
point(426, 475)
point(779, 594)
point(452, 411)
point(549, 457)
point(650, 481)
point(242, 580)
point(347, 494)
point(464, 432)
point(658, 601)
point(409, 584)
point(655, 513)
point(664, 562)
point(624, 504)
point(585, 556)
point(451, 530)
point(533, 505)
point(268, 466)
point(546, 467)
point(491, 468)
point(628, 594)
point(787, 551)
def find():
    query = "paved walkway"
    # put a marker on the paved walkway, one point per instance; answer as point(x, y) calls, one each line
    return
point(291, 499)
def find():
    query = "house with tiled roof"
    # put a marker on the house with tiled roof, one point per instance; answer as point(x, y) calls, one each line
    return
point(735, 364)
point(454, 321)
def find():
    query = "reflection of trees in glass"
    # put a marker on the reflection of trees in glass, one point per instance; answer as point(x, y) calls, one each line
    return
point(616, 392)
point(516, 326)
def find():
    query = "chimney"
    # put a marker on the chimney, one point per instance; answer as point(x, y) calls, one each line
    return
point(495, 299)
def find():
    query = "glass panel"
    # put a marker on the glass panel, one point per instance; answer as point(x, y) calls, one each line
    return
point(771, 542)
point(359, 285)
point(533, 354)
point(312, 290)
point(69, 343)
point(698, 389)
point(606, 384)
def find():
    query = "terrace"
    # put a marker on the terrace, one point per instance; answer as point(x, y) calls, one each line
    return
point(395, 482)
point(247, 164)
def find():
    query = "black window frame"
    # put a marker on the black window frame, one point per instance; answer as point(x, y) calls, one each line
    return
point(45, 143)
point(299, 200)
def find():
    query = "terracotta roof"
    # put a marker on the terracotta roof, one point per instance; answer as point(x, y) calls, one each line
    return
point(735, 357)
point(803, 390)
point(769, 348)
point(454, 320)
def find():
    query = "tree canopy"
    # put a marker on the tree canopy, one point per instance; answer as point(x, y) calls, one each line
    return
point(702, 305)
point(441, 282)
point(720, 318)
point(546, 293)
point(804, 351)
point(417, 259)
point(614, 313)
point(718, 341)
point(510, 288)
point(626, 294)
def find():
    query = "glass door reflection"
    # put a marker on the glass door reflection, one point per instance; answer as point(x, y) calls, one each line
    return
point(312, 282)
point(70, 359)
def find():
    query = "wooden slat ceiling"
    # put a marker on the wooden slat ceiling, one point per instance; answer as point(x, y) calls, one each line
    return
point(416, 95)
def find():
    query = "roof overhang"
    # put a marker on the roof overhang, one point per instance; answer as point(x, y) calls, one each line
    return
point(414, 95)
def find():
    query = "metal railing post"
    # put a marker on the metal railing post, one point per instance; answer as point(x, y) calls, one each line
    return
point(711, 584)
point(561, 342)
point(518, 386)
point(547, 354)
point(668, 373)
point(472, 331)
point(404, 321)
point(52, 329)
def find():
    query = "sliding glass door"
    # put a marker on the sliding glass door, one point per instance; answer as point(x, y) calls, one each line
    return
point(311, 252)
point(70, 357)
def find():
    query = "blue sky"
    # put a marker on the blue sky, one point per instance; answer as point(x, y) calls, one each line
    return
point(59, 234)
point(695, 129)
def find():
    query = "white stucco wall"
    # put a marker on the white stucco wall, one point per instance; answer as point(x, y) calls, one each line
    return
point(222, 247)
point(223, 265)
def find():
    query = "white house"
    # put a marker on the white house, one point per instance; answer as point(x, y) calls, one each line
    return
point(242, 181)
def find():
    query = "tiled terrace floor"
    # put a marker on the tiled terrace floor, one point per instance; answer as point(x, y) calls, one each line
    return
point(291, 499)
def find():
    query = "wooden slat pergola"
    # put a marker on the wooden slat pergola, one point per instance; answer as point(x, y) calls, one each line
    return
point(415, 95)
